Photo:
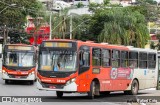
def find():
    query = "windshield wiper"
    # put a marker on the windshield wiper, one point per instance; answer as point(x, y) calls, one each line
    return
point(24, 54)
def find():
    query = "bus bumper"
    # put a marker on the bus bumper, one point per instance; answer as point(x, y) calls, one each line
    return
point(6, 76)
point(72, 87)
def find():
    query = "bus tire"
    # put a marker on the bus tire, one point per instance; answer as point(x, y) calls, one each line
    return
point(91, 93)
point(134, 88)
point(59, 94)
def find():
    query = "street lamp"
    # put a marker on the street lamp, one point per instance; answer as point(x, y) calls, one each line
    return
point(11, 5)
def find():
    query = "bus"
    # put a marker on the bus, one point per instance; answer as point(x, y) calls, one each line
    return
point(19, 63)
point(67, 66)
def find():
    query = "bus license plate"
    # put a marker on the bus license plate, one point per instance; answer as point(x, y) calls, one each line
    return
point(52, 87)
point(17, 77)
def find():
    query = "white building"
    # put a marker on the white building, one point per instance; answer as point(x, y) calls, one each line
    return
point(58, 5)
point(84, 2)
point(96, 1)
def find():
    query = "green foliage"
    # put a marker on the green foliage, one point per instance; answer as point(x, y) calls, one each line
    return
point(79, 5)
point(147, 1)
point(13, 17)
point(18, 37)
point(152, 45)
point(106, 2)
point(120, 26)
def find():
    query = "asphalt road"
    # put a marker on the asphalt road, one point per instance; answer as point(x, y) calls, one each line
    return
point(24, 90)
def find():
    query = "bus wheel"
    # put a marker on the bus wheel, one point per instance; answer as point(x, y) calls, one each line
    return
point(134, 88)
point(59, 94)
point(91, 93)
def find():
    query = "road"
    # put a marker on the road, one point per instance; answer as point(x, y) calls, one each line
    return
point(25, 90)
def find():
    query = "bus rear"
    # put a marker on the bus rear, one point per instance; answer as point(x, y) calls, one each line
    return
point(19, 63)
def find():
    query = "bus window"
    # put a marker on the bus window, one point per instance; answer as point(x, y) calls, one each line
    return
point(124, 58)
point(133, 59)
point(151, 61)
point(84, 58)
point(96, 57)
point(142, 60)
point(106, 58)
point(115, 58)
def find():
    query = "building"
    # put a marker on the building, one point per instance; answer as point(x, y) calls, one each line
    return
point(58, 5)
point(123, 2)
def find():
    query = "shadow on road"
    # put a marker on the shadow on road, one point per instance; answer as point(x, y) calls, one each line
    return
point(116, 97)
point(16, 82)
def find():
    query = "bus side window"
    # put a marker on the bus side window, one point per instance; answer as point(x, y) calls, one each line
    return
point(115, 58)
point(96, 57)
point(84, 58)
point(133, 59)
point(143, 60)
point(0, 55)
point(124, 59)
point(106, 56)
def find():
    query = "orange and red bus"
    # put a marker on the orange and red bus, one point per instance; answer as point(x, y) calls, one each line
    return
point(94, 68)
point(19, 63)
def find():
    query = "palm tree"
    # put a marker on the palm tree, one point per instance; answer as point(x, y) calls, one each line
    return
point(124, 27)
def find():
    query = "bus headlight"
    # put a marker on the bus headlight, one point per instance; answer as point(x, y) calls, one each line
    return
point(3, 71)
point(73, 80)
point(70, 81)
point(32, 72)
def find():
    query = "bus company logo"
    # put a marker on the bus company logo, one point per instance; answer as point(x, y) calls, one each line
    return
point(21, 99)
point(6, 99)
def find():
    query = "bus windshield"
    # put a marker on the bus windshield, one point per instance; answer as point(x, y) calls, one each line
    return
point(58, 61)
point(19, 59)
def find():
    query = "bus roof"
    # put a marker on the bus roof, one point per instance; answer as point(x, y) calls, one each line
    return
point(18, 45)
point(104, 45)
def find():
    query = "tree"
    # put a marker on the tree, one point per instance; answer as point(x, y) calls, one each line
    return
point(14, 17)
point(120, 26)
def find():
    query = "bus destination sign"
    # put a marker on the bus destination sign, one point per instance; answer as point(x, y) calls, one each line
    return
point(19, 48)
point(58, 44)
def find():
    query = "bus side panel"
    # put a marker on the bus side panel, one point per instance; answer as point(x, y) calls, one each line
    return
point(104, 79)
point(121, 78)
point(84, 81)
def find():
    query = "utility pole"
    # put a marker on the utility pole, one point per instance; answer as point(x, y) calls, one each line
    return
point(50, 23)
point(71, 27)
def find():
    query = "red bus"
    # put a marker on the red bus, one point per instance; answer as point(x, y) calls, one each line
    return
point(19, 63)
point(94, 68)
